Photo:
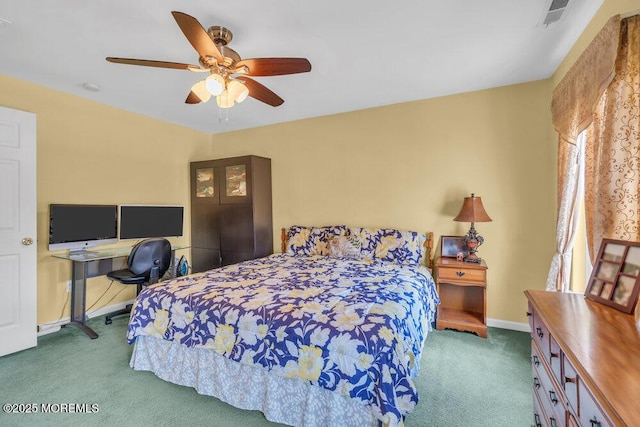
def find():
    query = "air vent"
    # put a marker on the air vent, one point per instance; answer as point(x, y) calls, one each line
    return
point(555, 11)
point(558, 4)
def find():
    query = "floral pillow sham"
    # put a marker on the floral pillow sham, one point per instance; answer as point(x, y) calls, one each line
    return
point(387, 244)
point(312, 240)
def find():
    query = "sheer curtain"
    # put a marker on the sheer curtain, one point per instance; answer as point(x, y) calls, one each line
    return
point(573, 165)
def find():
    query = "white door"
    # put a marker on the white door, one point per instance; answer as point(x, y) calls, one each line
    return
point(18, 303)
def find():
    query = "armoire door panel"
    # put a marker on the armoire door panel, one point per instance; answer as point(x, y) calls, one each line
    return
point(205, 183)
point(236, 180)
point(234, 257)
point(236, 228)
point(204, 259)
point(205, 226)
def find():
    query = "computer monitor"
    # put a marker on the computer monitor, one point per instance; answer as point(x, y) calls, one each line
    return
point(143, 221)
point(78, 227)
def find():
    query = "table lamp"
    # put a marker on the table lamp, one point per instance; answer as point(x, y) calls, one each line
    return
point(472, 211)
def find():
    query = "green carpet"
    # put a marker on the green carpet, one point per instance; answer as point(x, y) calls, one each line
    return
point(464, 381)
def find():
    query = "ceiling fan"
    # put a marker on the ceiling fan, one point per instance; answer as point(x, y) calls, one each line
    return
point(227, 79)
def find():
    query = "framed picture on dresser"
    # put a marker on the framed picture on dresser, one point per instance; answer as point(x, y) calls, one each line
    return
point(615, 278)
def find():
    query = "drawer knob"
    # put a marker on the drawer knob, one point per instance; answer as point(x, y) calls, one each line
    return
point(536, 417)
point(569, 380)
point(536, 360)
point(554, 354)
point(539, 332)
point(529, 314)
point(460, 273)
point(536, 382)
point(553, 397)
point(553, 422)
point(594, 422)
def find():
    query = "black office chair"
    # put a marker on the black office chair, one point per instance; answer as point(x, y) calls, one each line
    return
point(148, 261)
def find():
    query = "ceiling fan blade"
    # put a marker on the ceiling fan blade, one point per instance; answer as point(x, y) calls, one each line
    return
point(192, 98)
point(197, 36)
point(261, 92)
point(198, 94)
point(150, 63)
point(275, 66)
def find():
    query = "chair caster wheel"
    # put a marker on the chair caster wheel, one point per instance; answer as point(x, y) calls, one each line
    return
point(107, 321)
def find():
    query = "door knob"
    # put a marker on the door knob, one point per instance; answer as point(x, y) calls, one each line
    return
point(27, 241)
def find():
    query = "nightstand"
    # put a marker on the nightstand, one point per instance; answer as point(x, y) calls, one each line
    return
point(462, 287)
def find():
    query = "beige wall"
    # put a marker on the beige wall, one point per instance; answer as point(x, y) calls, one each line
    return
point(407, 166)
point(410, 165)
point(92, 153)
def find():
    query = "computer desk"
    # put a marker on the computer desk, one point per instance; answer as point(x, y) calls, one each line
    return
point(95, 263)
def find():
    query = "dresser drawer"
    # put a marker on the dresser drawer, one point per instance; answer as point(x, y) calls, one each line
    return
point(590, 413)
point(540, 334)
point(555, 359)
point(461, 274)
point(539, 417)
point(550, 397)
point(570, 384)
point(530, 315)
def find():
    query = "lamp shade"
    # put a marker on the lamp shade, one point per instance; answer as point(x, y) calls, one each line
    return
point(237, 91)
point(215, 84)
point(225, 100)
point(200, 89)
point(472, 211)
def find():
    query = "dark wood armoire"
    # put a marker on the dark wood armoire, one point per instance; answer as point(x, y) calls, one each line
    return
point(231, 219)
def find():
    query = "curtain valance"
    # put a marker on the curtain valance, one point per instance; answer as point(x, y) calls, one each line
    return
point(575, 97)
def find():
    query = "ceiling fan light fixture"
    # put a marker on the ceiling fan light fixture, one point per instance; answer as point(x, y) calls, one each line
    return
point(201, 91)
point(225, 100)
point(237, 91)
point(214, 84)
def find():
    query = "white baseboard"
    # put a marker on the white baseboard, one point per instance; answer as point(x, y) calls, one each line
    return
point(505, 324)
point(48, 328)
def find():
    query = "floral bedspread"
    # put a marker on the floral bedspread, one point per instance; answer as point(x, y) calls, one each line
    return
point(350, 326)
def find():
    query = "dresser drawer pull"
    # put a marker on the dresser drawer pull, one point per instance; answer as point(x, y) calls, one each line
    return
point(554, 354)
point(553, 397)
point(536, 382)
point(553, 422)
point(460, 273)
point(539, 332)
point(569, 380)
point(529, 314)
point(536, 360)
point(594, 422)
point(536, 417)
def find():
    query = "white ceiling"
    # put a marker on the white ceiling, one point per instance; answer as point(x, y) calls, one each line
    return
point(364, 53)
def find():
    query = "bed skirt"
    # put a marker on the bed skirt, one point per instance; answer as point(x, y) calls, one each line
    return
point(248, 387)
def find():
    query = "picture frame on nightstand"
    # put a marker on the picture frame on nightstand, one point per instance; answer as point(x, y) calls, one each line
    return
point(615, 278)
point(450, 246)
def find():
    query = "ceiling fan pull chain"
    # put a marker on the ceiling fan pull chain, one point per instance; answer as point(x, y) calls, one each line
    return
point(224, 119)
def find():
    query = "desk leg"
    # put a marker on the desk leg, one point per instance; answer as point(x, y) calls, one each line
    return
point(79, 298)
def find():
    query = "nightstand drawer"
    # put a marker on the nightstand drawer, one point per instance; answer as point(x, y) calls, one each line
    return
point(461, 274)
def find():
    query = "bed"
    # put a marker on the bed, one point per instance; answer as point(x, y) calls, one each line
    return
point(330, 332)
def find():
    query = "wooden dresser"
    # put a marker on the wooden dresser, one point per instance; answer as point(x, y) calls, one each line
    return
point(585, 362)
